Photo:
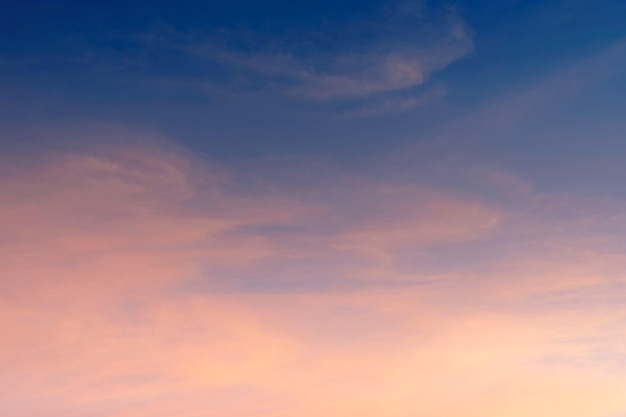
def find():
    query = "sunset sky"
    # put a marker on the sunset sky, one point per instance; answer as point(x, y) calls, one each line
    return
point(330, 208)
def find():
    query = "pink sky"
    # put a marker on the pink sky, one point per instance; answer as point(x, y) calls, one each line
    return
point(138, 282)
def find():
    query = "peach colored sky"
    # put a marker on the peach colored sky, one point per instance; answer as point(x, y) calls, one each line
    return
point(141, 281)
point(323, 208)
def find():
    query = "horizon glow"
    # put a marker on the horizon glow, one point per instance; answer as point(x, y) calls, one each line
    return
point(353, 209)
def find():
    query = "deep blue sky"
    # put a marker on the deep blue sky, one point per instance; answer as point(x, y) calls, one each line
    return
point(198, 72)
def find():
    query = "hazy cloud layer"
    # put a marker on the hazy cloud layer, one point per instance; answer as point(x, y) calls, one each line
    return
point(140, 282)
point(306, 209)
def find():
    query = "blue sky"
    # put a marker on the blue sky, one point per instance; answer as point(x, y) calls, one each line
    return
point(312, 208)
point(202, 71)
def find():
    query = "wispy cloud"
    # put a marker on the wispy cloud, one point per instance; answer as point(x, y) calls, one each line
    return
point(368, 65)
point(397, 52)
point(144, 282)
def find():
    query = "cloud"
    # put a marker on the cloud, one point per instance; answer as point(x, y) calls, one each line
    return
point(391, 65)
point(140, 280)
point(373, 64)
point(376, 73)
point(370, 64)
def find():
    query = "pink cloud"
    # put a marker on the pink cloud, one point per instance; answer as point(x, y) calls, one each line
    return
point(97, 320)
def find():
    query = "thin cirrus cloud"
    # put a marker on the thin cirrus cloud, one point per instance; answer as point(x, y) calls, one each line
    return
point(401, 54)
point(140, 282)
point(352, 68)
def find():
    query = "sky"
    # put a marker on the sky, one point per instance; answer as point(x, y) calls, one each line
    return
point(374, 208)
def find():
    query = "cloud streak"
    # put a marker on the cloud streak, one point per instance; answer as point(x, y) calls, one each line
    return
point(400, 55)
point(139, 281)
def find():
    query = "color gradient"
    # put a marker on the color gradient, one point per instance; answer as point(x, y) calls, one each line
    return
point(283, 209)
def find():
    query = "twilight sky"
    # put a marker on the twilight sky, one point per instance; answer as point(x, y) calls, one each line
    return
point(318, 208)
